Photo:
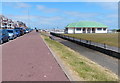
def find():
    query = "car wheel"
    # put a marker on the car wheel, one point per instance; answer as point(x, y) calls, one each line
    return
point(7, 39)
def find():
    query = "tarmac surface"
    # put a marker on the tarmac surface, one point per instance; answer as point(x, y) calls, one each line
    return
point(28, 59)
point(100, 58)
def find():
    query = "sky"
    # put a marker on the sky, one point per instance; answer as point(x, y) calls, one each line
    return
point(49, 15)
point(60, 0)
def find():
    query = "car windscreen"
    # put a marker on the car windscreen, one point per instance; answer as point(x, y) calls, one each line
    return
point(16, 30)
point(10, 31)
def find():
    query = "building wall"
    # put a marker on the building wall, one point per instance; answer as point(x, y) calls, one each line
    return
point(78, 31)
point(9, 23)
point(71, 31)
point(101, 31)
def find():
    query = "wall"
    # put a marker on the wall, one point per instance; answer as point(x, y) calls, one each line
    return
point(102, 50)
point(101, 31)
point(78, 31)
point(70, 30)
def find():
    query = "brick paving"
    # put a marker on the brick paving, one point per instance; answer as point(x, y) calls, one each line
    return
point(28, 59)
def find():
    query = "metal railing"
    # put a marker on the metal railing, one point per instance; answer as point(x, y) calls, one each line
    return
point(104, 48)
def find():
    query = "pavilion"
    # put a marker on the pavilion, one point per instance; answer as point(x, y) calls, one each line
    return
point(85, 27)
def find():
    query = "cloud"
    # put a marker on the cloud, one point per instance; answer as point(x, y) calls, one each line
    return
point(67, 16)
point(100, 0)
point(61, 1)
point(46, 9)
point(16, 5)
point(80, 14)
point(24, 18)
point(109, 5)
point(48, 20)
point(23, 5)
point(115, 16)
point(109, 19)
point(37, 20)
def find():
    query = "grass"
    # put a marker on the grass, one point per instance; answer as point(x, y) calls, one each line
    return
point(86, 69)
point(107, 38)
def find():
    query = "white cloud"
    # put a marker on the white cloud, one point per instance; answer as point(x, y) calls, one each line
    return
point(61, 1)
point(23, 5)
point(109, 19)
point(109, 5)
point(48, 20)
point(37, 20)
point(115, 16)
point(46, 9)
point(41, 7)
point(17, 17)
point(80, 14)
point(17, 5)
point(61, 22)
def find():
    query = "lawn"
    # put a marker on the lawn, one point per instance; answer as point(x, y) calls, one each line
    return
point(85, 68)
point(107, 38)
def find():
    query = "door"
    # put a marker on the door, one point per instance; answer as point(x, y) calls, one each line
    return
point(93, 30)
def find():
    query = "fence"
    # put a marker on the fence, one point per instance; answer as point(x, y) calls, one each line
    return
point(109, 50)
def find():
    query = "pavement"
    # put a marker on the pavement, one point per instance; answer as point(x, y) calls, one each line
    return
point(28, 59)
point(100, 58)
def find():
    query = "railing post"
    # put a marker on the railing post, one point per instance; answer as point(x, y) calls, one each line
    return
point(86, 41)
point(80, 39)
point(90, 42)
point(73, 38)
point(104, 45)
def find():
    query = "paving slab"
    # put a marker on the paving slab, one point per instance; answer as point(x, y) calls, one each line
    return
point(28, 59)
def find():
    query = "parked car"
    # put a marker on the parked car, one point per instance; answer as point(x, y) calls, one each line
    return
point(17, 32)
point(31, 29)
point(26, 30)
point(12, 34)
point(4, 37)
point(21, 30)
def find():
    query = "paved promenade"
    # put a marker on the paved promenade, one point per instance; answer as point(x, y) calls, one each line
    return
point(28, 59)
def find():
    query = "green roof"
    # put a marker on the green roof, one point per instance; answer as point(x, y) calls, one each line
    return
point(86, 24)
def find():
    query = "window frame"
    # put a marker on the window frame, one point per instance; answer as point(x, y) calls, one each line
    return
point(99, 29)
point(78, 29)
point(104, 29)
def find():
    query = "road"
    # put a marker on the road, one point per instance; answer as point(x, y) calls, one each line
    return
point(100, 58)
point(28, 59)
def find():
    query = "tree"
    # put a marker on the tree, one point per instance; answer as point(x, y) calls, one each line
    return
point(118, 30)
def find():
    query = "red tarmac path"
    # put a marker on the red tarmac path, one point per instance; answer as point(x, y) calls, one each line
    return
point(28, 59)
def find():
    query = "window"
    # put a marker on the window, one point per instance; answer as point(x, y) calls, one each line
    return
point(99, 29)
point(78, 29)
point(104, 29)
